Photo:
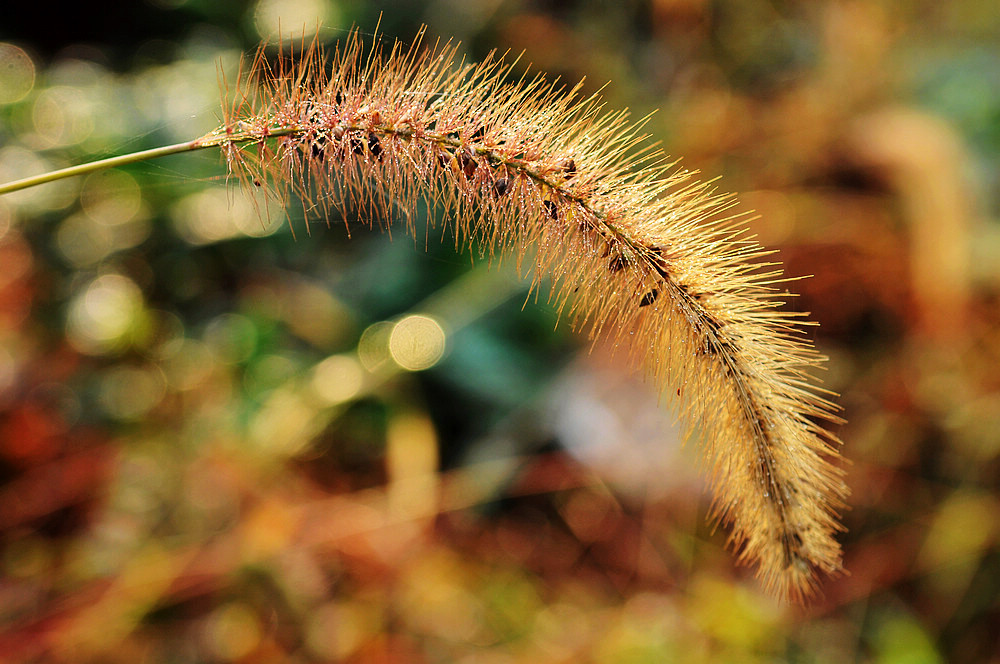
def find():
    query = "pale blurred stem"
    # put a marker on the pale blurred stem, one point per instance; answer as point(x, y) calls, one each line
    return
point(215, 139)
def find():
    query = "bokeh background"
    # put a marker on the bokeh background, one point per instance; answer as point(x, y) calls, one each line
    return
point(220, 442)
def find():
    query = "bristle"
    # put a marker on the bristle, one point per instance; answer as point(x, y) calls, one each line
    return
point(636, 249)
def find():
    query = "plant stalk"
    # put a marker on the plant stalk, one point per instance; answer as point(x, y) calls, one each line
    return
point(214, 139)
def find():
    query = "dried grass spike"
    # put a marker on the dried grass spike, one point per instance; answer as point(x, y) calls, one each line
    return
point(636, 250)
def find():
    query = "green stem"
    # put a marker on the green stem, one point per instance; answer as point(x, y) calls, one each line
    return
point(82, 169)
point(212, 140)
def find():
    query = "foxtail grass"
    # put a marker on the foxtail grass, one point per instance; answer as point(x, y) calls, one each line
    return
point(634, 249)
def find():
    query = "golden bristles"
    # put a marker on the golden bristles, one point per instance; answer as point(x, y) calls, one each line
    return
point(636, 251)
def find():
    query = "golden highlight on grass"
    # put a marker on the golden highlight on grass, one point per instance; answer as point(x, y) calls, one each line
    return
point(635, 249)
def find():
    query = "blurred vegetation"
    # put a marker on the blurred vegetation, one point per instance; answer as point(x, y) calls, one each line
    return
point(220, 442)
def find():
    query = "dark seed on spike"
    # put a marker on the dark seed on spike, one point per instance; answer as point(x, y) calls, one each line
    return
point(715, 341)
point(789, 548)
point(649, 298)
point(500, 186)
point(551, 208)
point(660, 264)
point(318, 146)
point(687, 291)
point(374, 146)
point(569, 166)
point(713, 324)
point(468, 162)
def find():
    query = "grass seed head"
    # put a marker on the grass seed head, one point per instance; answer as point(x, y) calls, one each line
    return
point(636, 251)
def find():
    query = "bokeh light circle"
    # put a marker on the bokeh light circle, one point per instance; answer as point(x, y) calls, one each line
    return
point(417, 343)
point(17, 73)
